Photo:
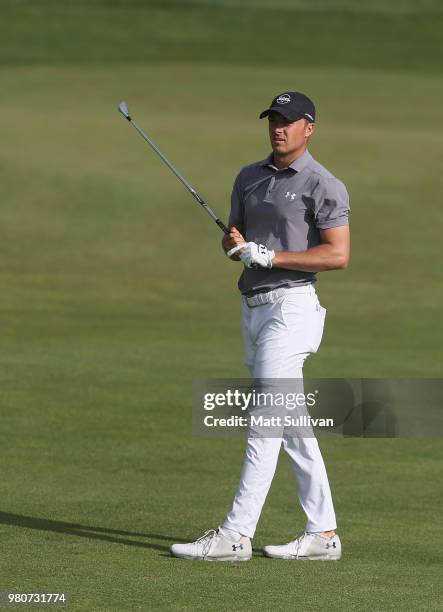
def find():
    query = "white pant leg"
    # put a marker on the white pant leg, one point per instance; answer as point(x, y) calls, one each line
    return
point(278, 337)
point(257, 473)
point(314, 492)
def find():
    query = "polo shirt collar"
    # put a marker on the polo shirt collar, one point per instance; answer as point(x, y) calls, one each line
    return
point(296, 165)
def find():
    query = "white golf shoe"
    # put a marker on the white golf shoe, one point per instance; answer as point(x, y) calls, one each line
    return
point(307, 546)
point(214, 546)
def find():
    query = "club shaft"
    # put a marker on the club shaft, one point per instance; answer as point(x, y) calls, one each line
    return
point(181, 178)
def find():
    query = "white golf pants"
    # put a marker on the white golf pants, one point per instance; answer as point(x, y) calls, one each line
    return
point(278, 337)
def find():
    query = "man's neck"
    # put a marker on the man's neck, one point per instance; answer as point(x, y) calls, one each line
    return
point(284, 161)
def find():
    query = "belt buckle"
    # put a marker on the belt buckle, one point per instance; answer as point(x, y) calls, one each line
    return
point(257, 300)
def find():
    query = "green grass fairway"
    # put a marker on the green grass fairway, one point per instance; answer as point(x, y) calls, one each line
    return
point(115, 294)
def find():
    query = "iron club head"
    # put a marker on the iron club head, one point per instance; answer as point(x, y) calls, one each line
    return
point(123, 108)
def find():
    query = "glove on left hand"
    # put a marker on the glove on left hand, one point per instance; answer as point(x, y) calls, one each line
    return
point(257, 255)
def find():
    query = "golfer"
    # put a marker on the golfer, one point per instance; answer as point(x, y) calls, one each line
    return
point(288, 221)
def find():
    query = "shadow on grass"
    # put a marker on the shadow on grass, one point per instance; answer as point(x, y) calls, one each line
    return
point(86, 531)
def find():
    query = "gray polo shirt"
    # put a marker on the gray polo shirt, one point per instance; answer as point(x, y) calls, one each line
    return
point(284, 210)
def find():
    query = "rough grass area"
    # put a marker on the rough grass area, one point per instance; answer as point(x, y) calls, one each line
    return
point(395, 35)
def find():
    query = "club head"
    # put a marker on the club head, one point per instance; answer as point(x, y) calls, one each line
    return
point(123, 108)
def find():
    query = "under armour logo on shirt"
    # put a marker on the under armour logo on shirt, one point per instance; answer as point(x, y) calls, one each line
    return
point(290, 195)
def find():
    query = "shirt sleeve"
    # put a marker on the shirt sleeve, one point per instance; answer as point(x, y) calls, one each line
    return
point(236, 216)
point(331, 204)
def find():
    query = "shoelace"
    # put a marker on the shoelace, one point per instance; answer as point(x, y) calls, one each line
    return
point(206, 541)
point(299, 540)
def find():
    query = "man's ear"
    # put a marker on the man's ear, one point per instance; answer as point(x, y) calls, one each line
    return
point(310, 127)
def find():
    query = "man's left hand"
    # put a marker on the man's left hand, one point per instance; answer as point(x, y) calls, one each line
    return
point(255, 255)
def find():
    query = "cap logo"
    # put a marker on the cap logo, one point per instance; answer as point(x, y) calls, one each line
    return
point(283, 99)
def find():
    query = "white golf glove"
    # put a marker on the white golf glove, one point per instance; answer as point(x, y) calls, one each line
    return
point(257, 255)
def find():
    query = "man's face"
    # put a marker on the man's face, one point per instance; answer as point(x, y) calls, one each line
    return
point(288, 137)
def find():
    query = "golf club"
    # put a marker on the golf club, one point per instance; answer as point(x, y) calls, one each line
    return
point(123, 108)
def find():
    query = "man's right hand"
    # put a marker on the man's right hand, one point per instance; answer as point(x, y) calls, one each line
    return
point(231, 240)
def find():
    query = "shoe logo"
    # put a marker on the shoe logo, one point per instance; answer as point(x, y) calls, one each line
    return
point(333, 545)
point(235, 548)
point(290, 195)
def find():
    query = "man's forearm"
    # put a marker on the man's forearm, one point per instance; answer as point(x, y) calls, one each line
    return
point(317, 259)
